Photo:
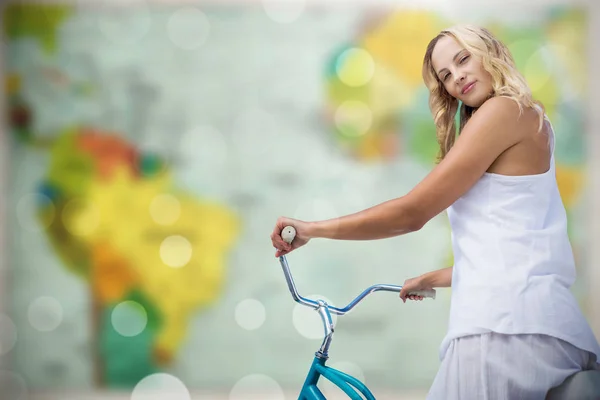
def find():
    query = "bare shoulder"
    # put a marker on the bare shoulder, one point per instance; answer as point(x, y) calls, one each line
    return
point(502, 115)
point(500, 108)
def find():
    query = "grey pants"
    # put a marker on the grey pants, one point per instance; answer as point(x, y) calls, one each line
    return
point(494, 366)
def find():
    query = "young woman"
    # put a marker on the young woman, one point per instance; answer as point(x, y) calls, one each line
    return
point(515, 329)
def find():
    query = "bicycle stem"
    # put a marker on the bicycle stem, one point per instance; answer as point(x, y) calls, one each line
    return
point(323, 311)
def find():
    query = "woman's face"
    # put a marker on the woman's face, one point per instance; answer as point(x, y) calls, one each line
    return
point(461, 73)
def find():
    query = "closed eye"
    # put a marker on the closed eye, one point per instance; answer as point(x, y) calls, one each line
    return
point(461, 61)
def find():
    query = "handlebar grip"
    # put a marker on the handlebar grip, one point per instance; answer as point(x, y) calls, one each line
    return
point(288, 234)
point(425, 293)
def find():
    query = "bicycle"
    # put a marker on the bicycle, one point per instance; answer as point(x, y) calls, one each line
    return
point(347, 383)
point(583, 385)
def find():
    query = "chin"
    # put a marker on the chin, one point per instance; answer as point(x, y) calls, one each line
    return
point(476, 101)
point(474, 104)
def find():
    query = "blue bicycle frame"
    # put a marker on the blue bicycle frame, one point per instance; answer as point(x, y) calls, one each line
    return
point(345, 382)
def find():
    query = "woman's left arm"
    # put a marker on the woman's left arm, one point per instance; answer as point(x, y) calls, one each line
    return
point(491, 130)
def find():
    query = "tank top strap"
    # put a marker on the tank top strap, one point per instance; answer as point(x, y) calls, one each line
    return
point(551, 136)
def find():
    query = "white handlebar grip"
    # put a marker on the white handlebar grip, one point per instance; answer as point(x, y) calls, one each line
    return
point(288, 234)
point(425, 293)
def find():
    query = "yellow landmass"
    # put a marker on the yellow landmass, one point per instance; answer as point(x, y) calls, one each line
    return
point(401, 40)
point(570, 181)
point(388, 93)
point(126, 223)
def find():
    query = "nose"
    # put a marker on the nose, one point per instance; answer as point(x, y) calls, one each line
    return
point(460, 76)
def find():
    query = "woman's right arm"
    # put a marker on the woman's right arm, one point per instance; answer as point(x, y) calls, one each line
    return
point(493, 129)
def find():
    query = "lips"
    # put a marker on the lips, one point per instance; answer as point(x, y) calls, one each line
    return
point(468, 88)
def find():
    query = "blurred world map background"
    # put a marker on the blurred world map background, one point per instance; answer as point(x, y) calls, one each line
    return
point(152, 149)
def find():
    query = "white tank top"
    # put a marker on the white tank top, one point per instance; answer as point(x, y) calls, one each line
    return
point(513, 262)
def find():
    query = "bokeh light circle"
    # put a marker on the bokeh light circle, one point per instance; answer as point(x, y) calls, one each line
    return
point(160, 386)
point(165, 209)
point(355, 67)
point(176, 251)
point(250, 314)
point(45, 313)
point(257, 384)
point(353, 118)
point(81, 217)
point(28, 212)
point(188, 28)
point(284, 11)
point(308, 322)
point(129, 318)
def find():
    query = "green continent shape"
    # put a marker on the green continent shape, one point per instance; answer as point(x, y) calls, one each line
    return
point(127, 360)
point(40, 21)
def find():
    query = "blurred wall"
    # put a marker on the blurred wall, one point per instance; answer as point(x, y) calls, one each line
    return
point(593, 176)
point(151, 149)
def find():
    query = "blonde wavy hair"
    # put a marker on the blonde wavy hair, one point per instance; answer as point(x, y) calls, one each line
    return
point(496, 60)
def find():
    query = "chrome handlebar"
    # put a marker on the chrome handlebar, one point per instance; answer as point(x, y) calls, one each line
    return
point(288, 233)
point(325, 310)
point(335, 310)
